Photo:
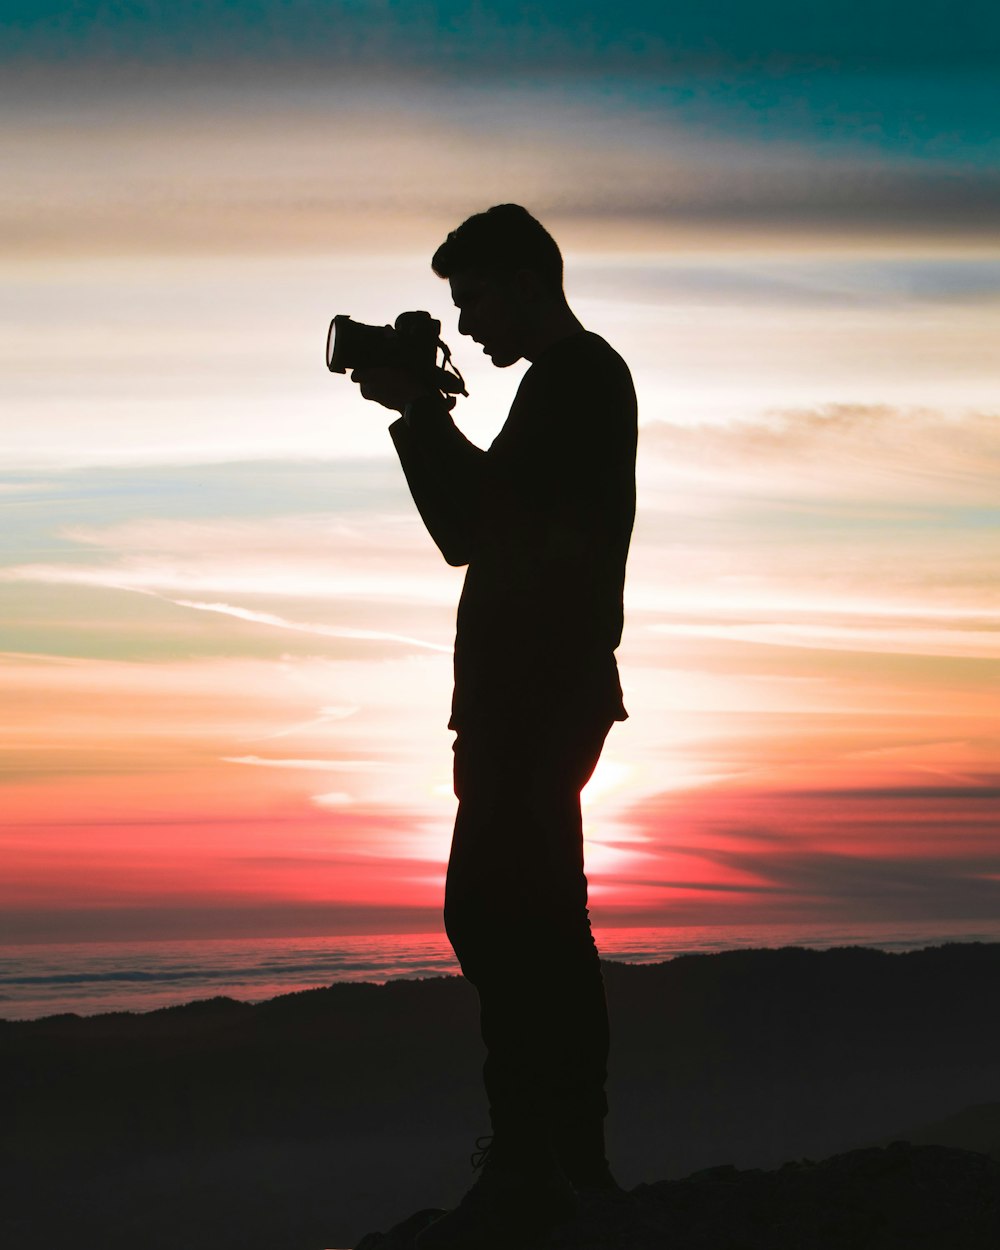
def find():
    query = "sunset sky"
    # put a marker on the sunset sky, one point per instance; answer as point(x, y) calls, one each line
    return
point(226, 637)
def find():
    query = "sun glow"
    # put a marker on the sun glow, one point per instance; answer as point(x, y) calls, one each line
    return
point(610, 776)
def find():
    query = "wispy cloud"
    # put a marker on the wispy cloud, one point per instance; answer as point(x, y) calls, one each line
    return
point(895, 636)
point(273, 163)
point(328, 631)
point(323, 766)
point(296, 557)
point(905, 852)
point(888, 457)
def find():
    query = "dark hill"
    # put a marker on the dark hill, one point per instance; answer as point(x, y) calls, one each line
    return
point(304, 1121)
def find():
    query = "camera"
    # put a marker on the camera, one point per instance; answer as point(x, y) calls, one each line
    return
point(412, 343)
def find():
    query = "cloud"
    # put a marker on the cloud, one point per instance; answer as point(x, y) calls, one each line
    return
point(265, 165)
point(301, 627)
point(371, 589)
point(893, 635)
point(327, 766)
point(335, 798)
point(905, 851)
point(221, 918)
point(311, 557)
point(836, 278)
point(839, 527)
point(886, 455)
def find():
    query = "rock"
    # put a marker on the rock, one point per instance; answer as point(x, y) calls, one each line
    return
point(400, 1236)
point(900, 1197)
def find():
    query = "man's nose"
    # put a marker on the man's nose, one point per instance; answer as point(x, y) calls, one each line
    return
point(463, 322)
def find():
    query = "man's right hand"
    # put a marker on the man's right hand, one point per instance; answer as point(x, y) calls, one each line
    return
point(391, 387)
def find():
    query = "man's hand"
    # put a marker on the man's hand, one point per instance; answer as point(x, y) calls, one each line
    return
point(390, 387)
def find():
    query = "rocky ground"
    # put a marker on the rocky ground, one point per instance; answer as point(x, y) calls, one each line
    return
point(900, 1197)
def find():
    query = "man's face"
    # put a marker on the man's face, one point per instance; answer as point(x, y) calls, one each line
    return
point(491, 314)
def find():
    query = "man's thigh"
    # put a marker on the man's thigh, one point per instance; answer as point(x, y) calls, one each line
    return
point(497, 759)
point(516, 883)
point(518, 832)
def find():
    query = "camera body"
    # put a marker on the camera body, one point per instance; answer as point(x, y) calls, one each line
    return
point(412, 344)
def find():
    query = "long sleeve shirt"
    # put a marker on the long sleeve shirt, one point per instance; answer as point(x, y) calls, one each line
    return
point(543, 520)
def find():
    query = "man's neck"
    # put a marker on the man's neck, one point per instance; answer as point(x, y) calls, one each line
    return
point(561, 323)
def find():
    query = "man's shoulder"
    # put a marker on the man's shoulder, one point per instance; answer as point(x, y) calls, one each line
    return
point(584, 349)
point(578, 382)
point(584, 364)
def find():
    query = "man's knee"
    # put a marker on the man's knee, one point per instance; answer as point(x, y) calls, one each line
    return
point(475, 937)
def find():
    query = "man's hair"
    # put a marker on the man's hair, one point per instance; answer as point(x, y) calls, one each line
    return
point(499, 242)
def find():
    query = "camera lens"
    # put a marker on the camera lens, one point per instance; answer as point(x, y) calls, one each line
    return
point(331, 338)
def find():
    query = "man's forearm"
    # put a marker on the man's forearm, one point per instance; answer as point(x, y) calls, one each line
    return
point(443, 471)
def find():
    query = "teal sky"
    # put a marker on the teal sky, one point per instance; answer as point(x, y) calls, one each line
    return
point(887, 32)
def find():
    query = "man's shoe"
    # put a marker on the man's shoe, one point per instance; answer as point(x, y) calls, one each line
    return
point(504, 1210)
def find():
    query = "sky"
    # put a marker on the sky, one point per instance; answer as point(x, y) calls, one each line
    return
point(225, 636)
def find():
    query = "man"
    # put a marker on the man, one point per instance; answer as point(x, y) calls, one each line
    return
point(543, 520)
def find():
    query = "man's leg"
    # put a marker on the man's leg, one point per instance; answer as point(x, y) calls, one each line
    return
point(516, 913)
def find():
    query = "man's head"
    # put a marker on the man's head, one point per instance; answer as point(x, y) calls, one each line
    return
point(506, 275)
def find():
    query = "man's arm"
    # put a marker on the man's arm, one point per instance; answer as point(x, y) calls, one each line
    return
point(445, 473)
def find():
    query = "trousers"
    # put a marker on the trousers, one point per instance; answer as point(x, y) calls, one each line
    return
point(516, 915)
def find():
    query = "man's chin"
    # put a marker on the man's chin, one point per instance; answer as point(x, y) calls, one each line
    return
point(502, 359)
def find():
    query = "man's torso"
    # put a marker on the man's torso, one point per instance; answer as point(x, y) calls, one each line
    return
point(541, 609)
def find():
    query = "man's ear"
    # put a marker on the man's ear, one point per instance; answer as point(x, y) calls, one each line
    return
point(527, 285)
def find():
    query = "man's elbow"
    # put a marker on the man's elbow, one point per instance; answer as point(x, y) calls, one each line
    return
point(456, 544)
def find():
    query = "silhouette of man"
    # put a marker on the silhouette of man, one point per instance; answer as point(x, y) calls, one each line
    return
point(543, 520)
